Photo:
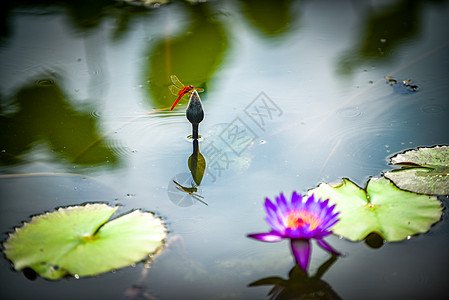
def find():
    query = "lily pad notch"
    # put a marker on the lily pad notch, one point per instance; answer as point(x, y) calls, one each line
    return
point(380, 208)
point(82, 241)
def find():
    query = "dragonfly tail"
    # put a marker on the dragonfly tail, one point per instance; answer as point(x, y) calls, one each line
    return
point(176, 102)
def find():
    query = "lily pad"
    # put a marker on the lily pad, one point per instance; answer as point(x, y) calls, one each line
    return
point(79, 241)
point(381, 208)
point(424, 171)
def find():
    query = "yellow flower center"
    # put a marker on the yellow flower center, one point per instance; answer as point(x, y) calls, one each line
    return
point(296, 219)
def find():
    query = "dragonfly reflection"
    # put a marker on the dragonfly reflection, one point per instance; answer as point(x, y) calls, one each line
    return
point(191, 191)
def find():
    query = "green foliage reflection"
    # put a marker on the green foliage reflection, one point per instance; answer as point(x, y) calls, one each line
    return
point(193, 55)
point(43, 115)
point(270, 17)
point(384, 31)
point(84, 14)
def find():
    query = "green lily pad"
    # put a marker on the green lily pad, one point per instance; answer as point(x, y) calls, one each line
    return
point(424, 171)
point(79, 241)
point(381, 208)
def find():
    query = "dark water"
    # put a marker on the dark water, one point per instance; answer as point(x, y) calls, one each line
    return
point(81, 84)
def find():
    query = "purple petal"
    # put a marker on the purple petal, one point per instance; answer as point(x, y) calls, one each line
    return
point(266, 237)
point(296, 199)
point(321, 234)
point(327, 247)
point(293, 233)
point(334, 215)
point(310, 200)
point(331, 223)
point(271, 214)
point(282, 204)
point(331, 220)
point(330, 209)
point(324, 203)
point(275, 223)
point(301, 252)
point(270, 207)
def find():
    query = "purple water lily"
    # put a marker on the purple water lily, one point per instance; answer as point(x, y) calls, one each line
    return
point(299, 220)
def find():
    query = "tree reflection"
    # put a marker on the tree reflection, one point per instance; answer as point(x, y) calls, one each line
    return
point(42, 114)
point(193, 55)
point(84, 14)
point(384, 30)
point(271, 17)
point(300, 285)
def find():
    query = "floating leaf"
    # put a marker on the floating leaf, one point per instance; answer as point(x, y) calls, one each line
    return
point(424, 171)
point(380, 207)
point(402, 87)
point(80, 241)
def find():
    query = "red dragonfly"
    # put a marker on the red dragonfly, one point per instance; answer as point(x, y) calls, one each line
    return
point(177, 88)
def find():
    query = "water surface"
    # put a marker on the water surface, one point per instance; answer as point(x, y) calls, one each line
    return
point(84, 92)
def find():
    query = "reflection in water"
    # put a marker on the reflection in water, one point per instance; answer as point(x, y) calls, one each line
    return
point(197, 163)
point(183, 188)
point(83, 14)
point(183, 191)
point(186, 45)
point(299, 285)
point(193, 55)
point(270, 17)
point(385, 29)
point(42, 114)
point(191, 191)
point(374, 240)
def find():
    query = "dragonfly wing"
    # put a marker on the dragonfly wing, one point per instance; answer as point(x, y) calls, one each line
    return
point(173, 89)
point(199, 90)
point(176, 81)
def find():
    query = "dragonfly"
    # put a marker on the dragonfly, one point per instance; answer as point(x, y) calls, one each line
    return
point(177, 88)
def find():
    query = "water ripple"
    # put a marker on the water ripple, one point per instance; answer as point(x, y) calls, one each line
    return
point(45, 82)
point(364, 143)
point(432, 109)
point(349, 112)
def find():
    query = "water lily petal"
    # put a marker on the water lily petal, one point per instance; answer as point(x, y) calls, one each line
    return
point(299, 220)
point(311, 200)
point(269, 206)
point(272, 236)
point(275, 223)
point(296, 199)
point(301, 252)
point(324, 203)
point(331, 222)
point(327, 247)
point(282, 204)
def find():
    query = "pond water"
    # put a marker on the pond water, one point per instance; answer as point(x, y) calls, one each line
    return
point(295, 95)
